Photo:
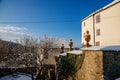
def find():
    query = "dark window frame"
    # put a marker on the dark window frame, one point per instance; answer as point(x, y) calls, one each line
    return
point(97, 43)
point(98, 19)
point(98, 32)
point(84, 24)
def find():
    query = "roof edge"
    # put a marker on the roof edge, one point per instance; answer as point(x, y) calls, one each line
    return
point(101, 9)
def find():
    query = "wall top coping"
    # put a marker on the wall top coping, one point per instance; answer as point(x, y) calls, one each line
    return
point(103, 48)
point(75, 52)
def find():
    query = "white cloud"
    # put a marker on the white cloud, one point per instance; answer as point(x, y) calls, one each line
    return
point(11, 28)
point(8, 32)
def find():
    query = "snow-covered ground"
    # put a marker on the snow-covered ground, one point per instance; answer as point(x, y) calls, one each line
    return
point(117, 79)
point(17, 76)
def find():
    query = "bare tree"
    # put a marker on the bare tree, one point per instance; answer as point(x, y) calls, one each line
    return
point(47, 46)
point(11, 53)
point(38, 51)
point(23, 53)
point(30, 52)
point(30, 48)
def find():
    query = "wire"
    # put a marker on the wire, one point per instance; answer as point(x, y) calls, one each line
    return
point(56, 21)
point(26, 22)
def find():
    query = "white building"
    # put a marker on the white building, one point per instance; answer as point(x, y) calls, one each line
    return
point(103, 25)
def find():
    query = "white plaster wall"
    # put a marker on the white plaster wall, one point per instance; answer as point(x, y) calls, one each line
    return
point(109, 26)
point(88, 26)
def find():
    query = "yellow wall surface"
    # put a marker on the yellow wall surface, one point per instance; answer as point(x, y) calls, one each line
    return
point(88, 26)
point(109, 26)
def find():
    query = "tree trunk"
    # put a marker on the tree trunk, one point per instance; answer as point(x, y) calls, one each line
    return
point(33, 77)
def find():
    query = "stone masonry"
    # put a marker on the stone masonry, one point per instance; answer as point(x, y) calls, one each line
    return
point(99, 65)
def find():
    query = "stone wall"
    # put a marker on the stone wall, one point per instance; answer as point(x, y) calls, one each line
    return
point(99, 65)
point(111, 65)
point(92, 68)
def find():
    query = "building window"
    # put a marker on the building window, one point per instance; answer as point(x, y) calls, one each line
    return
point(97, 43)
point(84, 24)
point(97, 18)
point(97, 32)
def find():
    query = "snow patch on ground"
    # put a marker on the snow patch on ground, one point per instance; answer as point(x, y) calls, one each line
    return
point(117, 79)
point(17, 76)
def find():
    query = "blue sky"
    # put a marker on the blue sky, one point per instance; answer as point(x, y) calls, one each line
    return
point(55, 18)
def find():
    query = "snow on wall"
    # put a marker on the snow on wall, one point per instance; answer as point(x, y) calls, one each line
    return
point(76, 52)
point(103, 48)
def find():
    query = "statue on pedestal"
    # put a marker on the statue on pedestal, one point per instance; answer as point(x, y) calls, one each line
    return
point(62, 48)
point(87, 38)
point(71, 44)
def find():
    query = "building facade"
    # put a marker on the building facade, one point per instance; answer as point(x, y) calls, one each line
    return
point(103, 25)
